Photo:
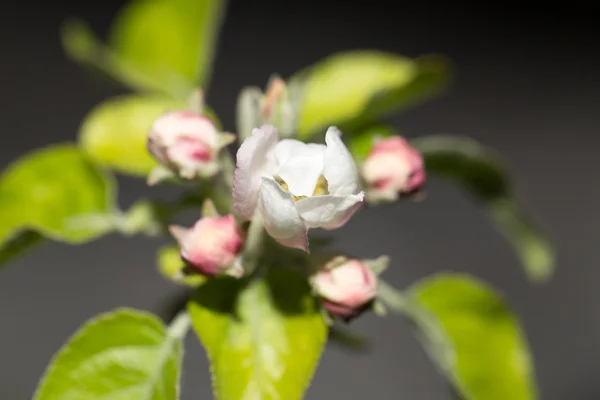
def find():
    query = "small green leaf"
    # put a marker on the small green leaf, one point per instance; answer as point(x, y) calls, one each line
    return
point(173, 268)
point(473, 337)
point(480, 171)
point(352, 87)
point(142, 217)
point(122, 355)
point(377, 265)
point(263, 338)
point(114, 133)
point(169, 40)
point(44, 192)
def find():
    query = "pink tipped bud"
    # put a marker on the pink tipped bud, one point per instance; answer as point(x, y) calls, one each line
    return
point(186, 142)
point(346, 289)
point(212, 245)
point(275, 94)
point(393, 167)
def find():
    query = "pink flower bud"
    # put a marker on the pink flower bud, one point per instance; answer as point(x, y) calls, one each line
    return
point(212, 245)
point(275, 93)
point(185, 142)
point(346, 288)
point(393, 167)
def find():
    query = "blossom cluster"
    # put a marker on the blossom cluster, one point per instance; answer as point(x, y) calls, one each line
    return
point(289, 187)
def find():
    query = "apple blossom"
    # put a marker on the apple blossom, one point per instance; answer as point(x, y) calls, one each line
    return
point(212, 245)
point(346, 287)
point(295, 186)
point(393, 167)
point(187, 143)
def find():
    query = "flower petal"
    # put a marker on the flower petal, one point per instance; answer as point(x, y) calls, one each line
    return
point(339, 167)
point(300, 165)
point(253, 160)
point(286, 148)
point(329, 212)
point(281, 218)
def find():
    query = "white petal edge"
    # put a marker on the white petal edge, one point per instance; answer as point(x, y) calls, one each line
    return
point(281, 218)
point(251, 162)
point(339, 167)
point(329, 212)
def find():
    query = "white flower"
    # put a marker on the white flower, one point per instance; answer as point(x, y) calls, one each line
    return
point(294, 185)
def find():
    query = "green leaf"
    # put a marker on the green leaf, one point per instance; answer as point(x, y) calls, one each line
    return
point(473, 337)
point(167, 40)
point(164, 46)
point(174, 269)
point(479, 170)
point(263, 338)
point(83, 46)
point(44, 192)
point(114, 133)
point(350, 88)
point(122, 355)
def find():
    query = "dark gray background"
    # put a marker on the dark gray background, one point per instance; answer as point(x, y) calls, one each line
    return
point(527, 84)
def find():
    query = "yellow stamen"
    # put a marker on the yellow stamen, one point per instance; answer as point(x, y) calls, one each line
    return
point(320, 189)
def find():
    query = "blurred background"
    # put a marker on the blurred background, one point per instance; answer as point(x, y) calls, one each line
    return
point(526, 84)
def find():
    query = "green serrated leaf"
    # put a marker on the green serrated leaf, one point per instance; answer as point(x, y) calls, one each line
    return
point(44, 192)
point(169, 40)
point(122, 355)
point(173, 268)
point(115, 133)
point(263, 338)
point(473, 337)
point(352, 87)
point(481, 172)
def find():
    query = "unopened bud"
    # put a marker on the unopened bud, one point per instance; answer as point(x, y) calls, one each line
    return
point(346, 286)
point(276, 107)
point(212, 245)
point(275, 93)
point(393, 167)
point(187, 143)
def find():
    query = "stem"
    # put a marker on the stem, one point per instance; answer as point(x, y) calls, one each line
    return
point(219, 190)
point(392, 297)
point(180, 325)
point(254, 244)
point(220, 194)
point(398, 303)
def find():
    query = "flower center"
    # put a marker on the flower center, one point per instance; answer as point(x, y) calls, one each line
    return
point(321, 187)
